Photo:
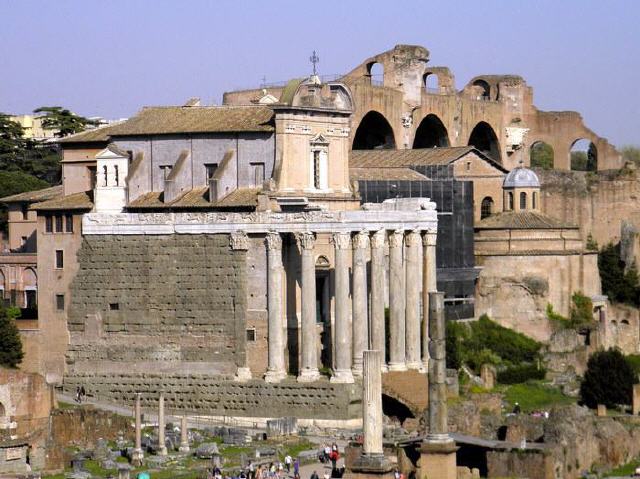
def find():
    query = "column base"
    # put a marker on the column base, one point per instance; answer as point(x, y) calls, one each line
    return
point(184, 448)
point(274, 376)
point(342, 376)
point(136, 457)
point(356, 371)
point(308, 375)
point(438, 459)
point(162, 451)
point(414, 365)
point(397, 367)
point(242, 374)
point(384, 368)
point(374, 466)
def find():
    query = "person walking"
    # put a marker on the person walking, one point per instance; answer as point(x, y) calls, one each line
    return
point(287, 463)
point(296, 468)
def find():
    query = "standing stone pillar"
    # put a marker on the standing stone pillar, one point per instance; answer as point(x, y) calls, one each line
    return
point(412, 309)
point(137, 456)
point(342, 371)
point(360, 321)
point(184, 435)
point(162, 448)
point(371, 462)
point(396, 303)
point(276, 368)
point(309, 366)
point(377, 294)
point(438, 451)
point(239, 241)
point(429, 285)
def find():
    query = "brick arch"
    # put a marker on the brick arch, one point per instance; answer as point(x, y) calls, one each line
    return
point(431, 133)
point(29, 277)
point(485, 139)
point(374, 132)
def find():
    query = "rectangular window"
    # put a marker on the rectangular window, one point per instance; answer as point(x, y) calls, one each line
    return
point(92, 177)
point(258, 174)
point(60, 302)
point(48, 224)
point(25, 211)
point(114, 306)
point(117, 175)
point(316, 169)
point(251, 334)
point(68, 220)
point(59, 259)
point(210, 170)
point(31, 298)
point(59, 224)
point(166, 171)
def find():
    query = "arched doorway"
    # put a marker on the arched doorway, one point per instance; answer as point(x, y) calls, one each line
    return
point(431, 133)
point(431, 83)
point(486, 207)
point(374, 133)
point(583, 155)
point(376, 73)
point(30, 282)
point(541, 155)
point(482, 90)
point(485, 139)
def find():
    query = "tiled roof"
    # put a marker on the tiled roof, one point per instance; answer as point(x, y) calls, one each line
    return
point(196, 119)
point(380, 174)
point(76, 201)
point(521, 220)
point(34, 196)
point(197, 198)
point(417, 157)
point(97, 135)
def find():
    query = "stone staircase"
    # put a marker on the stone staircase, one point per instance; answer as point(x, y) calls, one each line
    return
point(408, 387)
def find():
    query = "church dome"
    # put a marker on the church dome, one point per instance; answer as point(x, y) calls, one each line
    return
point(521, 178)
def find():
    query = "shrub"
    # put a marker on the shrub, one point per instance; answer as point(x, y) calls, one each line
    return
point(454, 335)
point(620, 286)
point(634, 361)
point(521, 374)
point(10, 344)
point(509, 345)
point(608, 380)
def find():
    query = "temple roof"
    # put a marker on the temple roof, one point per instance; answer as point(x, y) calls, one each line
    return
point(197, 198)
point(34, 196)
point(416, 157)
point(521, 220)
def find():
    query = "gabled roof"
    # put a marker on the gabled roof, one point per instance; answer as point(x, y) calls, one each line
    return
point(97, 135)
point(196, 198)
point(196, 119)
point(34, 196)
point(521, 220)
point(76, 201)
point(417, 157)
point(383, 174)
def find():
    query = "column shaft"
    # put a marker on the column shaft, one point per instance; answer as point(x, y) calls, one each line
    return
point(377, 341)
point(360, 321)
point(276, 366)
point(342, 371)
point(412, 311)
point(438, 429)
point(396, 303)
point(372, 403)
point(428, 286)
point(309, 367)
point(184, 435)
point(137, 456)
point(162, 448)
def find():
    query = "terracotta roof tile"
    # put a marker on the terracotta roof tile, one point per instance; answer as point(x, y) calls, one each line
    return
point(76, 201)
point(521, 220)
point(34, 196)
point(97, 135)
point(417, 157)
point(197, 198)
point(380, 174)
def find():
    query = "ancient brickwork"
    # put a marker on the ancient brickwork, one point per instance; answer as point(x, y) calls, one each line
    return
point(170, 298)
point(207, 395)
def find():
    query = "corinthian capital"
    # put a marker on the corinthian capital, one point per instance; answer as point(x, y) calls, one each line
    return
point(429, 239)
point(306, 241)
point(413, 238)
point(274, 241)
point(377, 240)
point(395, 239)
point(341, 240)
point(239, 241)
point(361, 240)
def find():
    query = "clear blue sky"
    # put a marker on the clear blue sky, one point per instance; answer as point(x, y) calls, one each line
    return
point(109, 58)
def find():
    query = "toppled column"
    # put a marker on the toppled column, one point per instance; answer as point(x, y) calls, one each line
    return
point(162, 448)
point(438, 451)
point(184, 435)
point(137, 456)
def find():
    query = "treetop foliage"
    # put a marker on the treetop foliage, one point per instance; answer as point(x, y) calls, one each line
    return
point(11, 353)
point(620, 286)
point(63, 121)
point(608, 380)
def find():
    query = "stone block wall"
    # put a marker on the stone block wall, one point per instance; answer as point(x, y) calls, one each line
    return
point(171, 303)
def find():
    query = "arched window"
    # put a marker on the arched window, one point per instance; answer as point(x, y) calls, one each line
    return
point(541, 155)
point(583, 155)
point(523, 201)
point(431, 83)
point(486, 207)
point(318, 164)
point(534, 201)
point(376, 73)
point(104, 172)
point(510, 201)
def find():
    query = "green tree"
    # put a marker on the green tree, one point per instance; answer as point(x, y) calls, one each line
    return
point(620, 285)
point(542, 156)
point(579, 161)
point(608, 380)
point(14, 182)
point(63, 121)
point(11, 141)
point(10, 344)
point(581, 314)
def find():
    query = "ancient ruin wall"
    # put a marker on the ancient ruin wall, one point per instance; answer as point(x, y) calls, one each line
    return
point(171, 303)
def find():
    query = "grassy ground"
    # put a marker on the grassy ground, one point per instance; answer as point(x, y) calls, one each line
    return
point(625, 469)
point(534, 396)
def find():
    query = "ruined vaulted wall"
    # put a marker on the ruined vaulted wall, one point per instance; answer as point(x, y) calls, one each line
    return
point(170, 303)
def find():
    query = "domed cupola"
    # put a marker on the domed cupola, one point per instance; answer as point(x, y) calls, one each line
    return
point(521, 190)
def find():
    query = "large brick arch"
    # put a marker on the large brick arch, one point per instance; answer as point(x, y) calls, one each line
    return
point(431, 133)
point(373, 132)
point(485, 139)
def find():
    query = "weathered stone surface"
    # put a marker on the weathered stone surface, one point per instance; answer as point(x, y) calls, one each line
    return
point(206, 450)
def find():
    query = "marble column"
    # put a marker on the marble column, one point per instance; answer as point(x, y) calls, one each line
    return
point(184, 435)
point(360, 321)
point(162, 448)
point(412, 309)
point(372, 403)
point(138, 455)
point(276, 366)
point(428, 286)
point(343, 335)
point(239, 241)
point(438, 431)
point(396, 303)
point(377, 341)
point(309, 365)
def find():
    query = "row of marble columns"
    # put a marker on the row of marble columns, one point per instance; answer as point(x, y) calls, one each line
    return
point(360, 325)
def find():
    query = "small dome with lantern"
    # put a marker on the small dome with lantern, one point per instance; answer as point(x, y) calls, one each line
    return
point(521, 177)
point(521, 189)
